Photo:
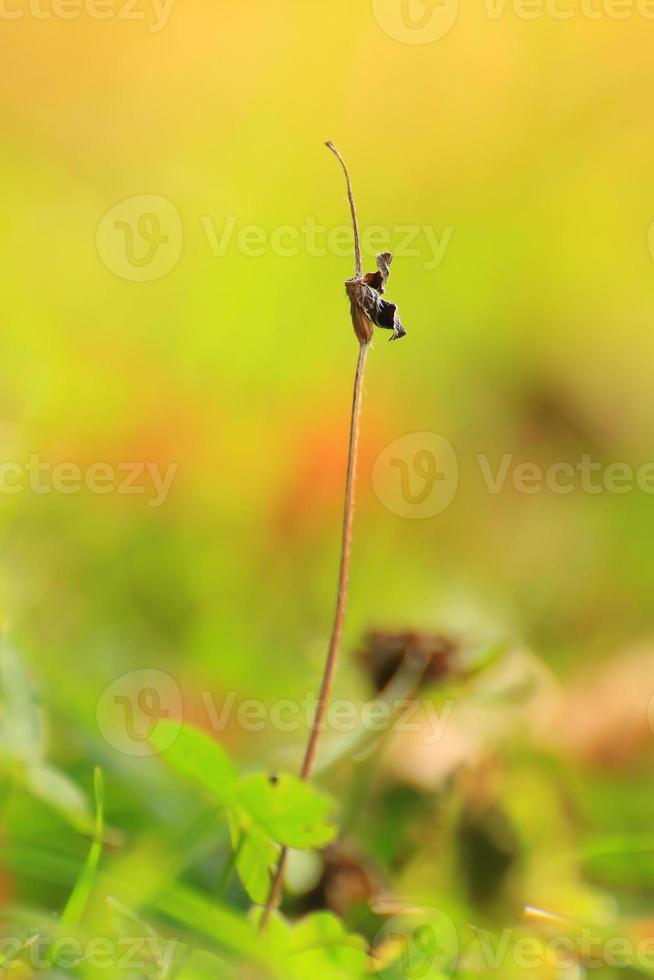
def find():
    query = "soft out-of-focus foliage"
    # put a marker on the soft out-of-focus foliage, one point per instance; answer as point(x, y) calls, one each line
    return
point(524, 146)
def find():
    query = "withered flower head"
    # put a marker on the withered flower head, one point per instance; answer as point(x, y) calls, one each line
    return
point(365, 291)
point(367, 305)
point(384, 653)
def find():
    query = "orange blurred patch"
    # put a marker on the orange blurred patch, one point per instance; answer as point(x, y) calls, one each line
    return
point(314, 488)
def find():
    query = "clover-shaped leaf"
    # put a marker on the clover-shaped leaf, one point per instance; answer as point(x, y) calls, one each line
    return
point(290, 811)
point(263, 813)
point(193, 754)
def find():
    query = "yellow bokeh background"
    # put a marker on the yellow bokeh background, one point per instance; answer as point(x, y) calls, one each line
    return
point(529, 138)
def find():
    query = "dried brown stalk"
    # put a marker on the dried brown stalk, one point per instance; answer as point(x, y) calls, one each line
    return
point(367, 308)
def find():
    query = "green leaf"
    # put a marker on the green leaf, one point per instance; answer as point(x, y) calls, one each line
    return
point(318, 947)
point(229, 931)
point(322, 948)
point(199, 965)
point(483, 657)
point(290, 811)
point(255, 855)
point(23, 744)
point(79, 897)
point(163, 954)
point(262, 814)
point(192, 753)
point(55, 788)
point(21, 723)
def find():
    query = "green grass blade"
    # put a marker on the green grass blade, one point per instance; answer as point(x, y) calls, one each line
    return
point(79, 897)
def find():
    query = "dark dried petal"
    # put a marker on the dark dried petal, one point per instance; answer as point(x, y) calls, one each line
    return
point(379, 279)
point(367, 303)
point(384, 266)
point(385, 652)
point(374, 279)
point(360, 319)
point(381, 312)
point(398, 329)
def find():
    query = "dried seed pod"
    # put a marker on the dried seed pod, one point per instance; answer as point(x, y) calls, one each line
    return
point(365, 291)
point(367, 305)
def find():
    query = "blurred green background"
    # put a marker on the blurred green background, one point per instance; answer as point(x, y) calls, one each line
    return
point(527, 144)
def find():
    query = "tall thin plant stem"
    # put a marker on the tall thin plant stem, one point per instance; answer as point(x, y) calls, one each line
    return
point(353, 210)
point(344, 566)
point(344, 569)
